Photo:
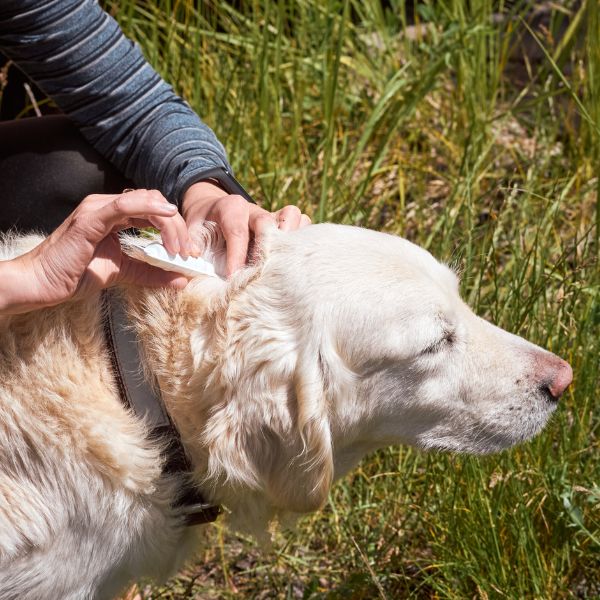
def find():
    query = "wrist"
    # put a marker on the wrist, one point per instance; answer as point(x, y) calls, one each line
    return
point(15, 296)
point(216, 183)
point(203, 190)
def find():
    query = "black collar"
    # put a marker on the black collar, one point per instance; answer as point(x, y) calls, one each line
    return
point(146, 403)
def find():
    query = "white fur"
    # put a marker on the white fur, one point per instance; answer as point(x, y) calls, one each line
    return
point(336, 342)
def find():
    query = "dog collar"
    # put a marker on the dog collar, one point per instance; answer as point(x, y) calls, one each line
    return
point(146, 403)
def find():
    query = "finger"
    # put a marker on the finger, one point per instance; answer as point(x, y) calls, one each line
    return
point(260, 225)
point(288, 218)
point(96, 225)
point(179, 225)
point(200, 239)
point(195, 229)
point(232, 217)
point(304, 221)
point(141, 274)
point(174, 234)
point(236, 240)
point(173, 229)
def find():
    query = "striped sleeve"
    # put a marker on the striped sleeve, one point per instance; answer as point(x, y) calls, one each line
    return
point(78, 55)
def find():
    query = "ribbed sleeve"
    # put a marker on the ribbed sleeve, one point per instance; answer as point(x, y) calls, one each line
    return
point(78, 55)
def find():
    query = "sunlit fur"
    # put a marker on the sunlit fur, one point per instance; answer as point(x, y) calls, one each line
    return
point(337, 341)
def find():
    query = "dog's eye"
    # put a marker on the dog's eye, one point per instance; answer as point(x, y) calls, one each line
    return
point(446, 340)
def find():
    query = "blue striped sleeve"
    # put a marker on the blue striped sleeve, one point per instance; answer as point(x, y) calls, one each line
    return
point(77, 54)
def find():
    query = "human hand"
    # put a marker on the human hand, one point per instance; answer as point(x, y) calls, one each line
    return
point(240, 221)
point(84, 254)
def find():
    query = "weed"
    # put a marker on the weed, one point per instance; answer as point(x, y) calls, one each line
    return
point(471, 129)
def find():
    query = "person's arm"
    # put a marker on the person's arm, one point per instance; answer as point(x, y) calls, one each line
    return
point(78, 55)
point(84, 254)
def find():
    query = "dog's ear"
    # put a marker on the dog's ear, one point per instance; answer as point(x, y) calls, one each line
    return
point(302, 477)
point(266, 438)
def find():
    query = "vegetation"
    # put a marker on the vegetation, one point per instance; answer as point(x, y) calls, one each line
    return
point(471, 128)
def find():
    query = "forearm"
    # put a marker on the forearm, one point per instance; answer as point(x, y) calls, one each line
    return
point(78, 55)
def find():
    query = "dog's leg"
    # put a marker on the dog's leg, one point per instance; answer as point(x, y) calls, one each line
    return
point(96, 559)
point(70, 567)
point(69, 533)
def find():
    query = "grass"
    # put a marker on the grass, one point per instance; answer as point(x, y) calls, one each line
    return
point(477, 137)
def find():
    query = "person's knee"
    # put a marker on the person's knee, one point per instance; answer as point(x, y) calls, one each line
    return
point(46, 168)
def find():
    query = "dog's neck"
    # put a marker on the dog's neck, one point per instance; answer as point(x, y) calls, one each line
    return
point(167, 323)
point(203, 347)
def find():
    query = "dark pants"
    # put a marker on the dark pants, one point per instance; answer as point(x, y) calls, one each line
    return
point(46, 168)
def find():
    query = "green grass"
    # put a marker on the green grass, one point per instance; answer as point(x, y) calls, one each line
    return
point(490, 159)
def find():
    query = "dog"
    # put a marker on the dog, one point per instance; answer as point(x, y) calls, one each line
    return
point(335, 342)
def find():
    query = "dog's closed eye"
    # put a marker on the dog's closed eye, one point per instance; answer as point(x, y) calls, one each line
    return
point(447, 339)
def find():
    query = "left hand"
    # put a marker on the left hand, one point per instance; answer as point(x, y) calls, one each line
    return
point(84, 255)
point(239, 220)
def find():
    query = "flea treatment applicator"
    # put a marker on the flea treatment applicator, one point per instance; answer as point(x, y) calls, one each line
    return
point(154, 253)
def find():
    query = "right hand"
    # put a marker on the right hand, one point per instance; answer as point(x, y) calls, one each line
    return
point(243, 224)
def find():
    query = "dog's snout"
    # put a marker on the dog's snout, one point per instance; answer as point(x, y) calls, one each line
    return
point(556, 377)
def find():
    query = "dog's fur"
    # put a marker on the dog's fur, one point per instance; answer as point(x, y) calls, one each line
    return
point(336, 342)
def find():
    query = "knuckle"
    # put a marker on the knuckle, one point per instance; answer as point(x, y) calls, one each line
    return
point(89, 204)
point(141, 193)
point(291, 210)
point(236, 200)
point(265, 220)
point(78, 224)
point(237, 231)
point(266, 216)
point(118, 203)
point(90, 199)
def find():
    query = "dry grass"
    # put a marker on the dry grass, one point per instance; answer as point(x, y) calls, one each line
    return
point(470, 137)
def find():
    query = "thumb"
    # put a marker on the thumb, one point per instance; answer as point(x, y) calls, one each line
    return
point(138, 273)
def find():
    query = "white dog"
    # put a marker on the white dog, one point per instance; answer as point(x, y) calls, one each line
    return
point(336, 342)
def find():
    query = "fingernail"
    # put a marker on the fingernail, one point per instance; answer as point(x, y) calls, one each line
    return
point(179, 283)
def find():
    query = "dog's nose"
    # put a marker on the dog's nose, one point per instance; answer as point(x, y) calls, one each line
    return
point(558, 377)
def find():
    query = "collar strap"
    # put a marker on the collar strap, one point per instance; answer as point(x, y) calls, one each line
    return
point(145, 402)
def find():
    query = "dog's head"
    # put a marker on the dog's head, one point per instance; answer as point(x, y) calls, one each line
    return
point(342, 340)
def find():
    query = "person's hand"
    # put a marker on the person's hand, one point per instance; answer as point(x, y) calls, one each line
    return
point(240, 221)
point(84, 254)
